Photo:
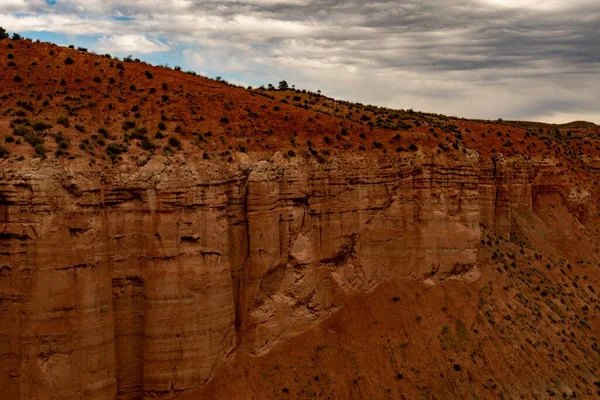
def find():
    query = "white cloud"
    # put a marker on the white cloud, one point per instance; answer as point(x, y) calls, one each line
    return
point(12, 5)
point(476, 58)
point(138, 44)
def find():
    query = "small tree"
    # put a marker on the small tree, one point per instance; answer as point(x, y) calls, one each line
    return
point(3, 33)
point(283, 85)
point(16, 36)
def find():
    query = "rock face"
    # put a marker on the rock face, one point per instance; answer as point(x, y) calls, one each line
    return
point(139, 284)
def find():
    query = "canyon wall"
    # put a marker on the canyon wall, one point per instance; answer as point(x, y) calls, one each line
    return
point(134, 284)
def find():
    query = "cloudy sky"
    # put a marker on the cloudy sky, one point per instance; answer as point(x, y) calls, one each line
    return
point(511, 59)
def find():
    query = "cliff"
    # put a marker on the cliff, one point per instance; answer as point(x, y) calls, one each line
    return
point(145, 282)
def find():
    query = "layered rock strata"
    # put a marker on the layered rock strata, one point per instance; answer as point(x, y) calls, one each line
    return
point(140, 283)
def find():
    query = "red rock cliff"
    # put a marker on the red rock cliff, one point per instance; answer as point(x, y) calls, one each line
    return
point(143, 282)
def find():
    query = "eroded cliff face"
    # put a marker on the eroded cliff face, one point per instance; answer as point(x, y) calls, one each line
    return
point(141, 283)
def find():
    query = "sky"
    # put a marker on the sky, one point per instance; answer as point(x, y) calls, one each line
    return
point(512, 59)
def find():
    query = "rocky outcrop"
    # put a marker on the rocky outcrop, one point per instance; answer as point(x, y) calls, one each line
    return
point(140, 283)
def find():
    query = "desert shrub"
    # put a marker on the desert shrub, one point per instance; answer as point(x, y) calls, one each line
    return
point(62, 141)
point(63, 120)
point(85, 145)
point(114, 150)
point(69, 61)
point(138, 133)
point(162, 126)
point(127, 125)
point(41, 126)
point(27, 105)
point(148, 74)
point(159, 135)
point(104, 133)
point(413, 147)
point(33, 138)
point(21, 130)
point(174, 142)
point(147, 144)
point(224, 120)
point(18, 78)
point(4, 152)
point(80, 128)
point(97, 79)
point(9, 139)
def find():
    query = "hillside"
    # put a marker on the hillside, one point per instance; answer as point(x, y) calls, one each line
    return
point(165, 235)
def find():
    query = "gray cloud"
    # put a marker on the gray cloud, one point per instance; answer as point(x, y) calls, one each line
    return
point(475, 58)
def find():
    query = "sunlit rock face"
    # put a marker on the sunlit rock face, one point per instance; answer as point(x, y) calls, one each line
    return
point(140, 284)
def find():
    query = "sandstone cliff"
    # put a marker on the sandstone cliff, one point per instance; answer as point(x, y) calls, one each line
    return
point(142, 283)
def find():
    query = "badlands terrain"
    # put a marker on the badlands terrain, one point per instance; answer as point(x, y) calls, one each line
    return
point(165, 235)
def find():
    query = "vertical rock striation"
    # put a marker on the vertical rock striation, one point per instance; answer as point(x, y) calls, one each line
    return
point(140, 284)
